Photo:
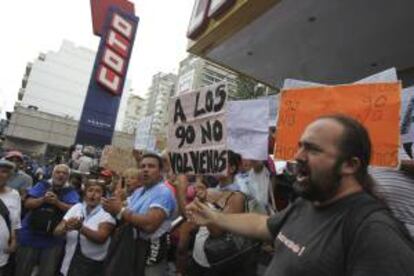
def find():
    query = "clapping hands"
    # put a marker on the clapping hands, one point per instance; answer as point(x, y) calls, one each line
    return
point(74, 223)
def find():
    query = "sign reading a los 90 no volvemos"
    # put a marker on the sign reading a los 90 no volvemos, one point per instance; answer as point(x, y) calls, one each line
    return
point(197, 132)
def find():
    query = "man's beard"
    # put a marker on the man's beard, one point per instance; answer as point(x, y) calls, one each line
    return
point(322, 190)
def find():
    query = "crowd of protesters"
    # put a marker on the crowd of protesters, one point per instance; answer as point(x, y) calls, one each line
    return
point(326, 213)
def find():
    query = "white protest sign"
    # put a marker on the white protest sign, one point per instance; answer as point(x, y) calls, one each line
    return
point(389, 75)
point(273, 101)
point(197, 131)
point(143, 138)
point(293, 83)
point(407, 115)
point(247, 128)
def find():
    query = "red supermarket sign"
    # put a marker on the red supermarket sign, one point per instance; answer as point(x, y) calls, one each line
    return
point(203, 11)
point(100, 8)
point(116, 53)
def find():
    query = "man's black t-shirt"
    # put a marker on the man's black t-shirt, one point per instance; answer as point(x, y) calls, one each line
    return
point(309, 241)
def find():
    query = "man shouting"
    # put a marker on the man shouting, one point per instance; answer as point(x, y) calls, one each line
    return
point(337, 226)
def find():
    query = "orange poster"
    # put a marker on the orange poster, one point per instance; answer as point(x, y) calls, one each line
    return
point(376, 106)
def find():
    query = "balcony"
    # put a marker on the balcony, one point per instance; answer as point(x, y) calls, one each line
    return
point(21, 94)
point(24, 81)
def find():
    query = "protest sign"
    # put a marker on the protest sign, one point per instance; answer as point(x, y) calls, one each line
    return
point(144, 140)
point(117, 159)
point(376, 105)
point(407, 115)
point(197, 131)
point(294, 83)
point(389, 75)
point(273, 102)
point(247, 128)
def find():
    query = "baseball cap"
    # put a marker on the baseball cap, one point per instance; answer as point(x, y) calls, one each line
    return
point(6, 164)
point(14, 153)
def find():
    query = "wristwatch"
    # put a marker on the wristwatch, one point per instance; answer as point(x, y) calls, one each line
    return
point(119, 215)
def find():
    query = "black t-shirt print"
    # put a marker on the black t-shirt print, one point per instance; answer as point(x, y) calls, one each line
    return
point(309, 241)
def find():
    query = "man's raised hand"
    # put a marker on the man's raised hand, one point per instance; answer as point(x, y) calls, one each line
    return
point(200, 213)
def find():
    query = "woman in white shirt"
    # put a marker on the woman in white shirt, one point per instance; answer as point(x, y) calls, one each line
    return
point(88, 228)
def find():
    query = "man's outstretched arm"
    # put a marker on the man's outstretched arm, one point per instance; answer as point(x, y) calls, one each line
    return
point(250, 225)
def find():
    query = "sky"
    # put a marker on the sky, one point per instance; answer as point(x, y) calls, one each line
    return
point(29, 27)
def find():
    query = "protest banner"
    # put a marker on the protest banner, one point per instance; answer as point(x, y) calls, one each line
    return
point(389, 75)
point(144, 140)
point(197, 131)
point(247, 128)
point(377, 106)
point(117, 159)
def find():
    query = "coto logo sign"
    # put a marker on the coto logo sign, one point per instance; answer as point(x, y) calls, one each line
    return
point(204, 10)
point(112, 68)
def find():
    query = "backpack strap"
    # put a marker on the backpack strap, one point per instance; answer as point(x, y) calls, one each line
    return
point(5, 213)
point(246, 198)
point(64, 191)
point(363, 208)
point(224, 199)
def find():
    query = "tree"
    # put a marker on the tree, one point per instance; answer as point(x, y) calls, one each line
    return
point(247, 88)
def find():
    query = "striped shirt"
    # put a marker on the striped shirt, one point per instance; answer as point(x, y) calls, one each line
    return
point(397, 187)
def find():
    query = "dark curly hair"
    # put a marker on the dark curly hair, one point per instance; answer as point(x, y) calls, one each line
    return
point(355, 142)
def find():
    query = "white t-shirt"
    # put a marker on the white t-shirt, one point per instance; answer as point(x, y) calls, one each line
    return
point(202, 235)
point(198, 252)
point(85, 164)
point(259, 183)
point(92, 221)
point(11, 199)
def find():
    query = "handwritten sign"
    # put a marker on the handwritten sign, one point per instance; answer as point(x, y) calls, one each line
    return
point(248, 129)
point(197, 134)
point(377, 106)
point(389, 75)
point(117, 159)
point(144, 140)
